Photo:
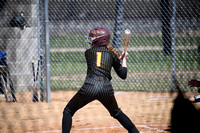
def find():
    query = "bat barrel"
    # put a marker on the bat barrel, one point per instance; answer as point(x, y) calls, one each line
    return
point(126, 40)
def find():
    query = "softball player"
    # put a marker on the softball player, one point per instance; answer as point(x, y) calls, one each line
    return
point(194, 82)
point(100, 59)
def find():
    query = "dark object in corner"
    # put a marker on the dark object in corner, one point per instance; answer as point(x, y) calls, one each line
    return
point(18, 21)
point(184, 115)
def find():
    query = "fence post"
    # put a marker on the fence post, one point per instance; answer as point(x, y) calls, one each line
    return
point(48, 91)
point(118, 24)
point(166, 25)
point(173, 45)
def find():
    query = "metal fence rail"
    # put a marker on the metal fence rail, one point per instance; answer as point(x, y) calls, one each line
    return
point(163, 44)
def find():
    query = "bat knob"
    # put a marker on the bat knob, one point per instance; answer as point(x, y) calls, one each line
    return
point(127, 31)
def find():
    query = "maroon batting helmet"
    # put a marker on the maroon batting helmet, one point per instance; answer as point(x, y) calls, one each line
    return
point(99, 36)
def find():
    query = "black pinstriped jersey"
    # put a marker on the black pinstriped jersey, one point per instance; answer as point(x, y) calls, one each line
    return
point(100, 61)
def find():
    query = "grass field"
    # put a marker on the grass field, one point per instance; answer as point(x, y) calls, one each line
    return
point(68, 66)
point(74, 40)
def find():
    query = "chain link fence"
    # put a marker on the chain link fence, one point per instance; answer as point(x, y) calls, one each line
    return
point(156, 57)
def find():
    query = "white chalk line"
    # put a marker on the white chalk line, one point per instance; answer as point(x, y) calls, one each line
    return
point(119, 92)
point(153, 99)
point(95, 128)
point(158, 99)
point(151, 128)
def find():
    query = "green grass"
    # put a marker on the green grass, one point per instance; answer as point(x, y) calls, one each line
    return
point(77, 41)
point(142, 61)
point(71, 66)
point(148, 61)
point(69, 41)
point(67, 63)
point(157, 41)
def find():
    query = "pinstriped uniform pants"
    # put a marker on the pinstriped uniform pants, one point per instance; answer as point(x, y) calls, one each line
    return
point(94, 88)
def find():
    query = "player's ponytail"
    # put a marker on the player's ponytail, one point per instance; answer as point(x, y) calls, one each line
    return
point(113, 50)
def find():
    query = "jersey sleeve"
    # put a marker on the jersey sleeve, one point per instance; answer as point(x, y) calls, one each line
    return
point(121, 71)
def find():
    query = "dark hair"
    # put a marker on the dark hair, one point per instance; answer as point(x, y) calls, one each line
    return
point(113, 50)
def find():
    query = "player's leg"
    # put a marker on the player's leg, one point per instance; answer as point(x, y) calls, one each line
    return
point(107, 98)
point(80, 99)
point(126, 122)
point(66, 121)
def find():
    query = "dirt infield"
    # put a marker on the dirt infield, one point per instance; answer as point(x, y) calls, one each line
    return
point(150, 112)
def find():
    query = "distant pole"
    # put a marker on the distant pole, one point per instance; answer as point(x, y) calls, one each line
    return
point(166, 26)
point(39, 45)
point(118, 24)
point(48, 89)
point(173, 45)
point(38, 25)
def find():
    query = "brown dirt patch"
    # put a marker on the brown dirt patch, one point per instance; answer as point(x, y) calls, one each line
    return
point(149, 111)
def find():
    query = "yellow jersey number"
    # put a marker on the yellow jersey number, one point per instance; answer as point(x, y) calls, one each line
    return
point(99, 59)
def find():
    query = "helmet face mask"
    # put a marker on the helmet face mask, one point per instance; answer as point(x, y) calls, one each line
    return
point(98, 36)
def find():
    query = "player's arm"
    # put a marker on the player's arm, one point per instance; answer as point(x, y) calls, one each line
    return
point(194, 83)
point(121, 69)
